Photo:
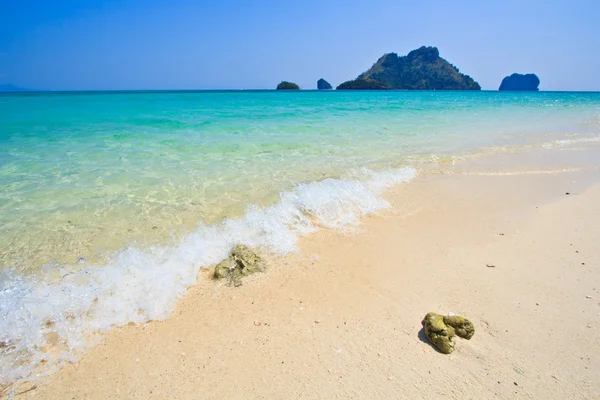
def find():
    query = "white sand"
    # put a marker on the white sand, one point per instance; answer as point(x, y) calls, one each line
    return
point(342, 318)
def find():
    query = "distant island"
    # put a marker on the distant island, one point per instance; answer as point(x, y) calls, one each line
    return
point(284, 85)
point(363, 84)
point(520, 82)
point(9, 87)
point(322, 84)
point(421, 69)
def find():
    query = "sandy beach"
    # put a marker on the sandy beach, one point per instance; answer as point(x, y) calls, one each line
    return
point(508, 241)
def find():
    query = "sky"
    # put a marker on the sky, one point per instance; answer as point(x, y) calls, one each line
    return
point(226, 44)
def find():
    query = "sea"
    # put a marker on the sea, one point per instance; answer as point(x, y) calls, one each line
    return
point(112, 202)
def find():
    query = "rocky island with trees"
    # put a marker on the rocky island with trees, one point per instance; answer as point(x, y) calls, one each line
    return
point(520, 82)
point(285, 85)
point(322, 84)
point(421, 69)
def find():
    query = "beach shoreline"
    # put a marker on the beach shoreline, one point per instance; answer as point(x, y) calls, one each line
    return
point(341, 317)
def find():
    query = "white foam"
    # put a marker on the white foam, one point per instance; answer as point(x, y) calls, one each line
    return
point(44, 323)
point(566, 142)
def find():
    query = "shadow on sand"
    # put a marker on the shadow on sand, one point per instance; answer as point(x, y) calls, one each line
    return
point(424, 339)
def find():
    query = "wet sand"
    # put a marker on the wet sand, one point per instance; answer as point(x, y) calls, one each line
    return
point(342, 317)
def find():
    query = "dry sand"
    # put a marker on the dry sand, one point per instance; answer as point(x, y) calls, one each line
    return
point(342, 318)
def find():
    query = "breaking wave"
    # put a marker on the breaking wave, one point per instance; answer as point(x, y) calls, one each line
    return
point(46, 321)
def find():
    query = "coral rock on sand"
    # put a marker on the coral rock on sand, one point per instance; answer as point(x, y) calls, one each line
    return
point(242, 261)
point(438, 333)
point(441, 330)
point(462, 326)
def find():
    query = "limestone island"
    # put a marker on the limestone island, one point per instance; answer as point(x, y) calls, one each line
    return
point(322, 84)
point(520, 82)
point(421, 69)
point(285, 85)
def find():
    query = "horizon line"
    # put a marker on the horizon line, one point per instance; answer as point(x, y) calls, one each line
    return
point(34, 91)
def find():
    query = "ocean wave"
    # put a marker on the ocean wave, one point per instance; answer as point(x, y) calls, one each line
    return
point(46, 322)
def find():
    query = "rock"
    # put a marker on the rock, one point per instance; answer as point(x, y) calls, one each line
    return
point(441, 331)
point(462, 326)
point(284, 85)
point(520, 82)
point(242, 261)
point(322, 84)
point(438, 333)
point(224, 268)
point(421, 69)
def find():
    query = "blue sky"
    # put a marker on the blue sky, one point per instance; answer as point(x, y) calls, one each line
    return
point(182, 44)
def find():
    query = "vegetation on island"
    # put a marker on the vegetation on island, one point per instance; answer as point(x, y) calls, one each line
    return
point(520, 82)
point(421, 69)
point(363, 84)
point(285, 85)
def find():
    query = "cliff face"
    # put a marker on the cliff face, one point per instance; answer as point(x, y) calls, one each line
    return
point(520, 82)
point(421, 69)
point(322, 84)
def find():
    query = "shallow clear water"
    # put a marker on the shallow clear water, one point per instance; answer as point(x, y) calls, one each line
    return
point(110, 202)
point(85, 174)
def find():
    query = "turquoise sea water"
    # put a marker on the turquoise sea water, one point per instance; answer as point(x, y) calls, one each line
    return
point(102, 195)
